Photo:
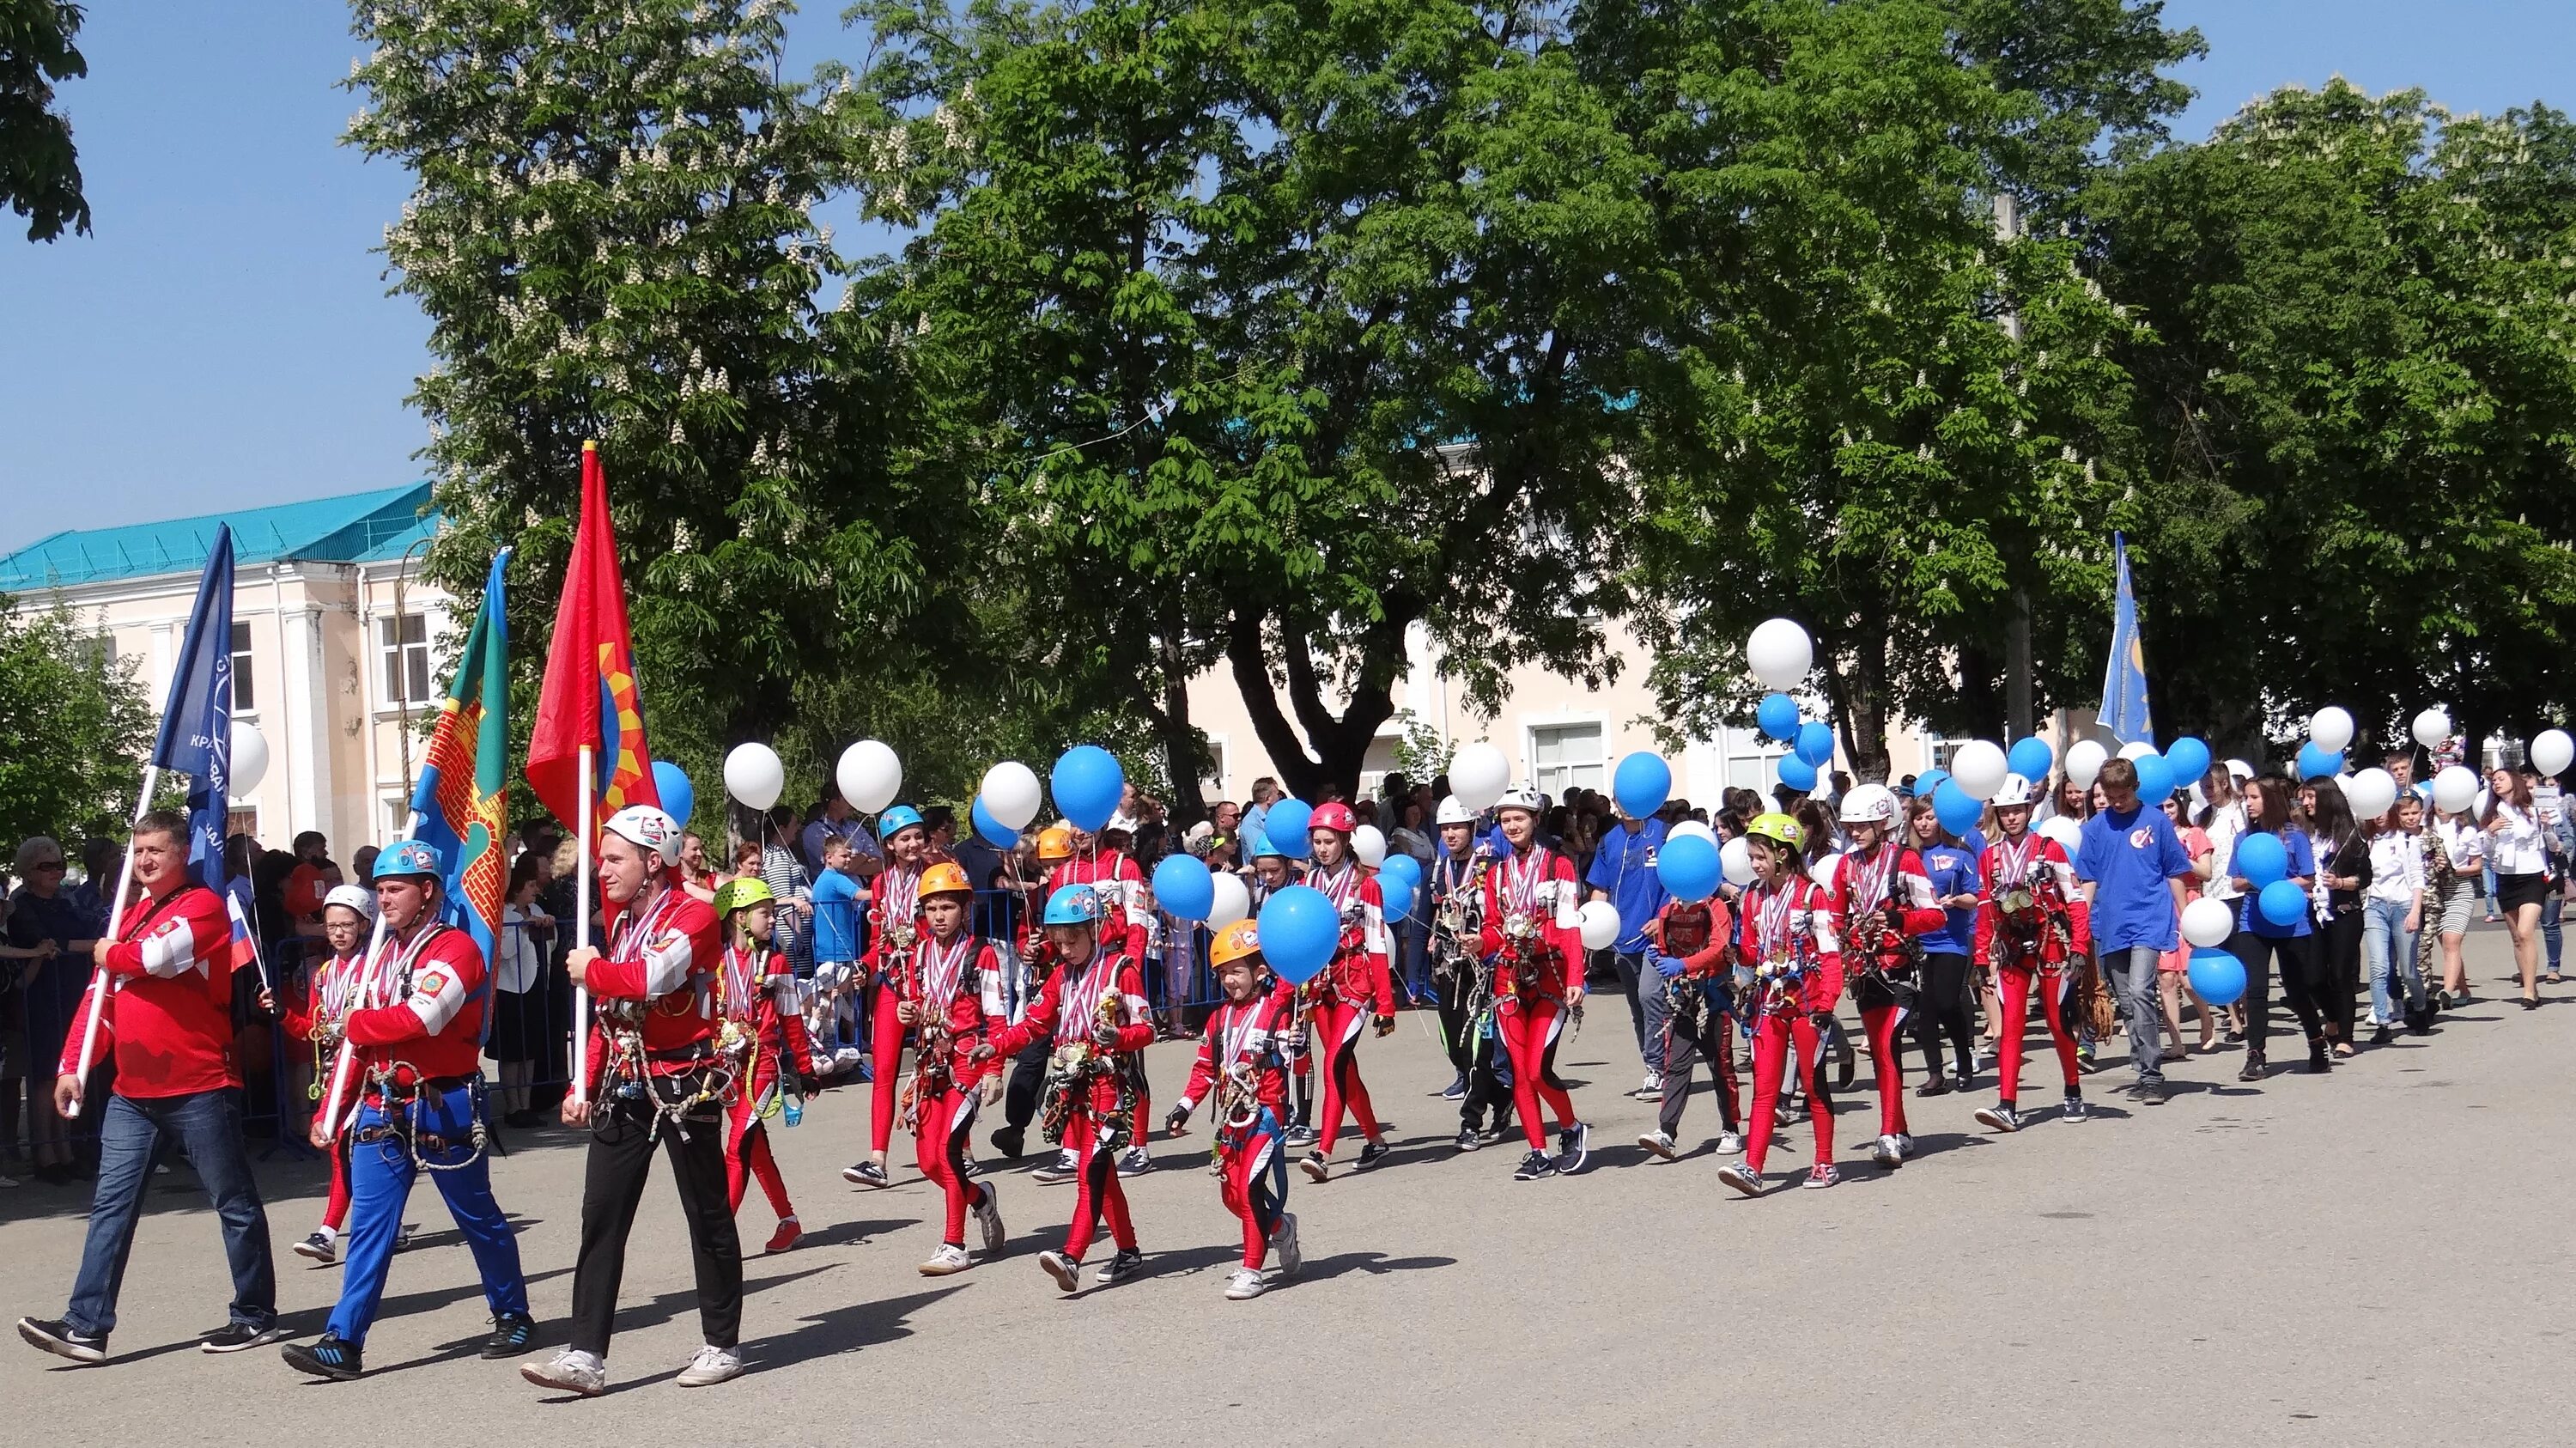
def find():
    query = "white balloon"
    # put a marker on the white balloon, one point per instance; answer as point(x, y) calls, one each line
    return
point(2084, 761)
point(1736, 858)
point(869, 775)
point(1780, 654)
point(1011, 794)
point(1979, 767)
point(1369, 843)
point(2432, 727)
point(2331, 728)
point(2136, 750)
point(2370, 793)
point(753, 775)
point(1232, 901)
point(1478, 775)
point(1691, 827)
point(1599, 922)
point(2552, 751)
point(2207, 922)
point(2068, 834)
point(249, 759)
point(2455, 789)
point(1822, 871)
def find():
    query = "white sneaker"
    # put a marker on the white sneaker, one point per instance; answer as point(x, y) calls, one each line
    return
point(988, 1219)
point(1730, 1143)
point(1067, 1271)
point(1651, 1089)
point(711, 1366)
point(1245, 1285)
point(1888, 1153)
point(1292, 1254)
point(579, 1373)
point(949, 1258)
point(1905, 1145)
point(1658, 1144)
point(7, 1182)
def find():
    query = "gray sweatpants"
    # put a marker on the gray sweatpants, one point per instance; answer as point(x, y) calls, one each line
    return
point(2133, 975)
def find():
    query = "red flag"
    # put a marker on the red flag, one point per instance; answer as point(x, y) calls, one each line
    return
point(589, 695)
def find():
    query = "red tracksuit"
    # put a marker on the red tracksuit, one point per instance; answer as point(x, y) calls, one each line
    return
point(1125, 925)
point(958, 985)
point(666, 952)
point(2036, 861)
point(894, 916)
point(1066, 1014)
point(1347, 994)
point(1246, 1044)
point(1788, 936)
point(1892, 880)
point(1538, 884)
point(325, 999)
point(758, 1001)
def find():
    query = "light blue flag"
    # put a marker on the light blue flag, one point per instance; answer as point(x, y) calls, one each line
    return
point(2124, 684)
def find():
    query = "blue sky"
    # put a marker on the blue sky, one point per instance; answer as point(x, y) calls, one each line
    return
point(223, 340)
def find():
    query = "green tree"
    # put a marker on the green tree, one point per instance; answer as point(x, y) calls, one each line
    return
point(39, 166)
point(74, 727)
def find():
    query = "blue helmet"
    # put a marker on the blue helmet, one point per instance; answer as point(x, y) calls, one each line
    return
point(896, 820)
point(1073, 905)
point(410, 857)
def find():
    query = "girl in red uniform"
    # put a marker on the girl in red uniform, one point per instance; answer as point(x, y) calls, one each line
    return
point(1882, 899)
point(316, 1019)
point(951, 992)
point(1531, 897)
point(1347, 992)
point(1787, 937)
point(894, 920)
point(1241, 1060)
point(764, 1035)
point(1126, 920)
point(2029, 929)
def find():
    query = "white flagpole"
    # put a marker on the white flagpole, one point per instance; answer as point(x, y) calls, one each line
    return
point(581, 941)
point(100, 985)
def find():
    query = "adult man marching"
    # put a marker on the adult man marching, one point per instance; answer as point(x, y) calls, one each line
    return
point(415, 1031)
point(654, 1076)
point(171, 1019)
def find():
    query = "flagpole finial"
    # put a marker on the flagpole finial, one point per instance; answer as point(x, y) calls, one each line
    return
point(590, 444)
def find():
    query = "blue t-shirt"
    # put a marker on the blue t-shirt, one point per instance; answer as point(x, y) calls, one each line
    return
point(2130, 858)
point(836, 918)
point(1624, 867)
point(1953, 871)
point(2303, 862)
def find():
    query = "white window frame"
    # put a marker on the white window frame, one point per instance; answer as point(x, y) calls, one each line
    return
point(239, 645)
point(1530, 730)
point(396, 655)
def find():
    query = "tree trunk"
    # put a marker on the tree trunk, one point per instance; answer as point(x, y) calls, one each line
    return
point(1332, 749)
point(1184, 754)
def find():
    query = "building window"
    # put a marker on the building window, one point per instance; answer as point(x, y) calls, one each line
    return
point(245, 698)
point(1567, 756)
point(402, 641)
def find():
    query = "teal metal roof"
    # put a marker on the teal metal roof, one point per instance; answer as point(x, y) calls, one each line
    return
point(352, 528)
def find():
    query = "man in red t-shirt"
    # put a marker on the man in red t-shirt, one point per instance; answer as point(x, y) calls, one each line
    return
point(168, 982)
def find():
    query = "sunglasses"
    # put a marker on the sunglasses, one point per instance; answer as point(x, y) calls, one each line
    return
point(49, 865)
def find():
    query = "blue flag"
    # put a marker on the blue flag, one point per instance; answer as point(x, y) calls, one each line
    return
point(2124, 684)
point(196, 737)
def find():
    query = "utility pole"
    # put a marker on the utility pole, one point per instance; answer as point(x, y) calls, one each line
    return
point(2019, 707)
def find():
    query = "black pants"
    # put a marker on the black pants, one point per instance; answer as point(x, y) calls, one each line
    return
point(1480, 1060)
point(1687, 1046)
point(1947, 1005)
point(2338, 971)
point(1020, 1097)
point(621, 1157)
point(2299, 984)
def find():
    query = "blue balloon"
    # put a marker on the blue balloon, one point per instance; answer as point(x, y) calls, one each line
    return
point(1286, 827)
point(1778, 717)
point(2319, 763)
point(1087, 783)
point(2031, 758)
point(2217, 977)
point(1395, 897)
point(1929, 781)
point(1797, 773)
point(1399, 866)
point(1641, 784)
point(2283, 902)
point(1957, 809)
point(1816, 743)
point(2190, 760)
point(990, 830)
point(1690, 867)
point(2155, 778)
point(678, 799)
point(1299, 931)
point(1183, 886)
point(2261, 858)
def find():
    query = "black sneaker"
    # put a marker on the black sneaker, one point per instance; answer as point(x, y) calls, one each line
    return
point(235, 1336)
point(1468, 1140)
point(332, 1357)
point(1573, 1148)
point(1963, 1080)
point(2151, 1093)
point(2074, 1109)
point(866, 1174)
point(1534, 1166)
point(1127, 1263)
point(1371, 1153)
point(512, 1334)
point(57, 1337)
point(1008, 1140)
point(1455, 1090)
point(1999, 1117)
point(1315, 1167)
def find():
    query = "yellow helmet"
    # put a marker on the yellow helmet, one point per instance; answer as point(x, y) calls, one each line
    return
point(742, 894)
point(1233, 943)
point(1055, 842)
point(945, 878)
point(1778, 828)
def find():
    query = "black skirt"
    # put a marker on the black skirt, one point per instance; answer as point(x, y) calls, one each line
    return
point(519, 1025)
point(2515, 891)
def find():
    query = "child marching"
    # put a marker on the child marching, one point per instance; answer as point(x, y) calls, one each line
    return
point(1463, 977)
point(763, 1038)
point(1883, 903)
point(1787, 937)
point(2030, 933)
point(1242, 1067)
point(317, 1019)
point(1350, 990)
point(895, 920)
point(1691, 946)
point(1531, 899)
point(951, 996)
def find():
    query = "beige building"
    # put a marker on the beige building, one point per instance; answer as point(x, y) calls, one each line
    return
point(332, 634)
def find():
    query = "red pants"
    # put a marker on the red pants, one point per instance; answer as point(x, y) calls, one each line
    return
point(1881, 1022)
point(1255, 1188)
point(1529, 1034)
point(939, 1146)
point(1772, 1039)
point(2012, 983)
point(747, 1151)
point(1095, 1191)
point(1337, 1032)
point(335, 1209)
point(885, 1060)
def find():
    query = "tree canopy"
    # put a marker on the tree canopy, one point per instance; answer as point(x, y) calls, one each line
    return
point(40, 175)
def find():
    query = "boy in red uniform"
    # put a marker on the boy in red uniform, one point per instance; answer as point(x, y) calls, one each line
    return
point(1240, 1060)
point(1882, 900)
point(1126, 923)
point(1350, 990)
point(1096, 1018)
point(894, 919)
point(1691, 946)
point(315, 1018)
point(2030, 927)
point(764, 1038)
point(654, 1076)
point(951, 994)
point(1531, 896)
point(1787, 937)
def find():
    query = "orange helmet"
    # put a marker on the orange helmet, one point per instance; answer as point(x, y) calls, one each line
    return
point(1055, 842)
point(1233, 943)
point(945, 878)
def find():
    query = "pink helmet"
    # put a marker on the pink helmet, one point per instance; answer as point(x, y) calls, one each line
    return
point(1332, 815)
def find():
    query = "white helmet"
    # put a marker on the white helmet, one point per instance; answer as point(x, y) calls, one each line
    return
point(1519, 799)
point(2015, 790)
point(353, 897)
point(1867, 802)
point(2239, 769)
point(1453, 812)
point(1120, 823)
point(648, 827)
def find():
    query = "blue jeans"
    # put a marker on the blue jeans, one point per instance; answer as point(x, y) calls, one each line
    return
point(380, 1180)
point(2551, 936)
point(2389, 947)
point(1413, 956)
point(208, 1126)
point(2488, 874)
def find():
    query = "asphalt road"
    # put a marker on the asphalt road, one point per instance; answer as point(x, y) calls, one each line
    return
point(2372, 1257)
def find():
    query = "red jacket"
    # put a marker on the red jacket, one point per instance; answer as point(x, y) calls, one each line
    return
point(1906, 896)
point(972, 1006)
point(1067, 1010)
point(2041, 863)
point(1254, 1033)
point(170, 1018)
point(1125, 922)
point(748, 993)
point(1553, 895)
point(434, 1023)
point(1357, 975)
point(894, 898)
point(1798, 923)
point(667, 955)
point(309, 1003)
point(1716, 926)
